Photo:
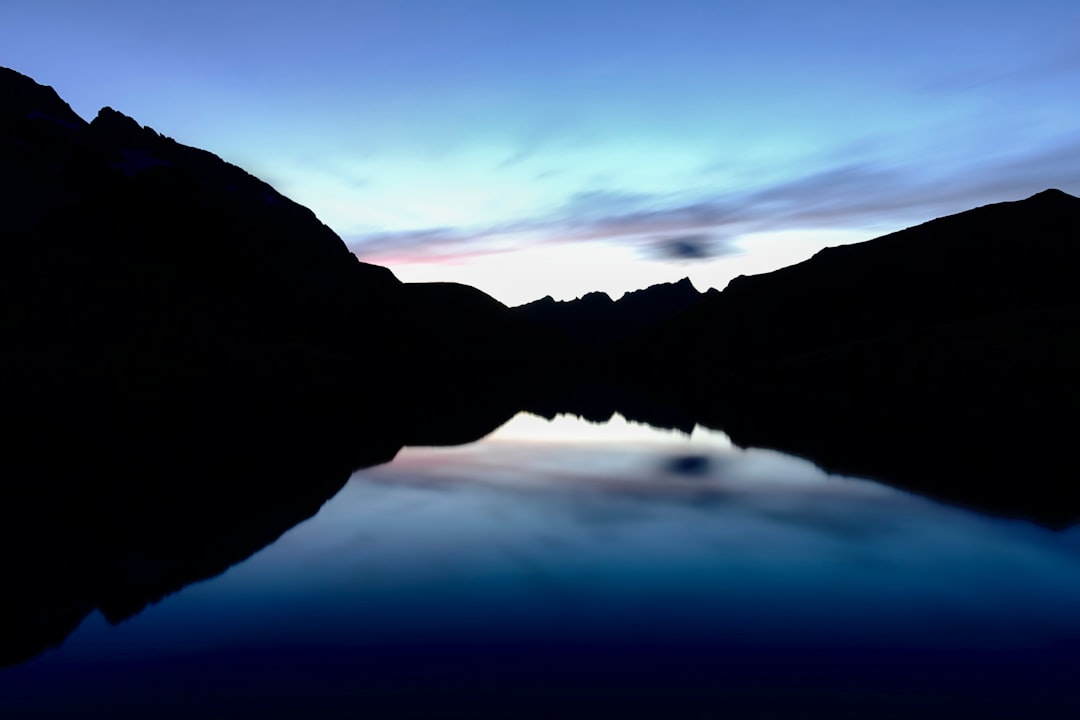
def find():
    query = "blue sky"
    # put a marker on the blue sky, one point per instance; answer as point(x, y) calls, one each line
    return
point(558, 147)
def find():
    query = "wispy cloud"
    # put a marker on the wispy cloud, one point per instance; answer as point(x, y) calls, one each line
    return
point(875, 195)
point(1007, 79)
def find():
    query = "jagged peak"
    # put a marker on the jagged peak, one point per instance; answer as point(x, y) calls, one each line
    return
point(545, 302)
point(596, 296)
point(120, 128)
point(115, 121)
point(682, 287)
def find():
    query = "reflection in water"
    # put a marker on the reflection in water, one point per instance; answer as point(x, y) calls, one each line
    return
point(582, 570)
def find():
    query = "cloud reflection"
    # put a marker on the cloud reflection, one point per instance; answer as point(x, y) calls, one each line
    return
point(664, 479)
point(675, 535)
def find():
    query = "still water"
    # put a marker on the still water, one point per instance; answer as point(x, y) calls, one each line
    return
point(568, 569)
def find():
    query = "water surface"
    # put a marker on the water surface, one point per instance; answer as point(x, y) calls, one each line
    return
point(585, 570)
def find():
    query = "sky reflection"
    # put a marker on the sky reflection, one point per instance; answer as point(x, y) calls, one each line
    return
point(568, 555)
point(559, 539)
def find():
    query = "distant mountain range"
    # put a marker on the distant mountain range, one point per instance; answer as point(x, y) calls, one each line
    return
point(595, 320)
point(168, 322)
point(979, 276)
point(944, 358)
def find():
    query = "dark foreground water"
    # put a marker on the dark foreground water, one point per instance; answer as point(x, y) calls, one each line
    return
point(573, 570)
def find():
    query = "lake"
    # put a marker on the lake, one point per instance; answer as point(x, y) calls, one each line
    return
point(569, 569)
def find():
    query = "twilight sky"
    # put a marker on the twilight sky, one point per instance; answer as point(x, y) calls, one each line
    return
point(556, 147)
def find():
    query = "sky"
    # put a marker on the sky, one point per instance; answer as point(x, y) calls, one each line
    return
point(559, 147)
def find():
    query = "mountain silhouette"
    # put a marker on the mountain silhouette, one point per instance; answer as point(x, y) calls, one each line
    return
point(192, 363)
point(900, 358)
point(170, 322)
point(944, 359)
point(148, 280)
point(986, 265)
point(140, 273)
point(595, 319)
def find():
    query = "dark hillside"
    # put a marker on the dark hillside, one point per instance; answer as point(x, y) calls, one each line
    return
point(990, 262)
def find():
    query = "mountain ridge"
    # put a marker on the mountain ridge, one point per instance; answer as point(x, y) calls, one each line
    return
point(143, 274)
point(958, 266)
point(191, 362)
point(594, 319)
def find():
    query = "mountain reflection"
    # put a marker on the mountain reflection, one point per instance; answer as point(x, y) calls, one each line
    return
point(112, 516)
point(579, 566)
point(86, 530)
point(510, 542)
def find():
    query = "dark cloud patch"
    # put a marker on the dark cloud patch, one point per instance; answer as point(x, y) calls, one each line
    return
point(687, 247)
point(637, 219)
point(699, 246)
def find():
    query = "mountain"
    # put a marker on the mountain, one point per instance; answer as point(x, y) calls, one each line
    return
point(142, 274)
point(122, 245)
point(151, 290)
point(595, 319)
point(983, 273)
point(944, 358)
point(191, 363)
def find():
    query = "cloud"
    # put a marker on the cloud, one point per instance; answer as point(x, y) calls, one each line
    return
point(597, 205)
point(1007, 80)
point(865, 194)
point(412, 241)
point(699, 246)
point(601, 215)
